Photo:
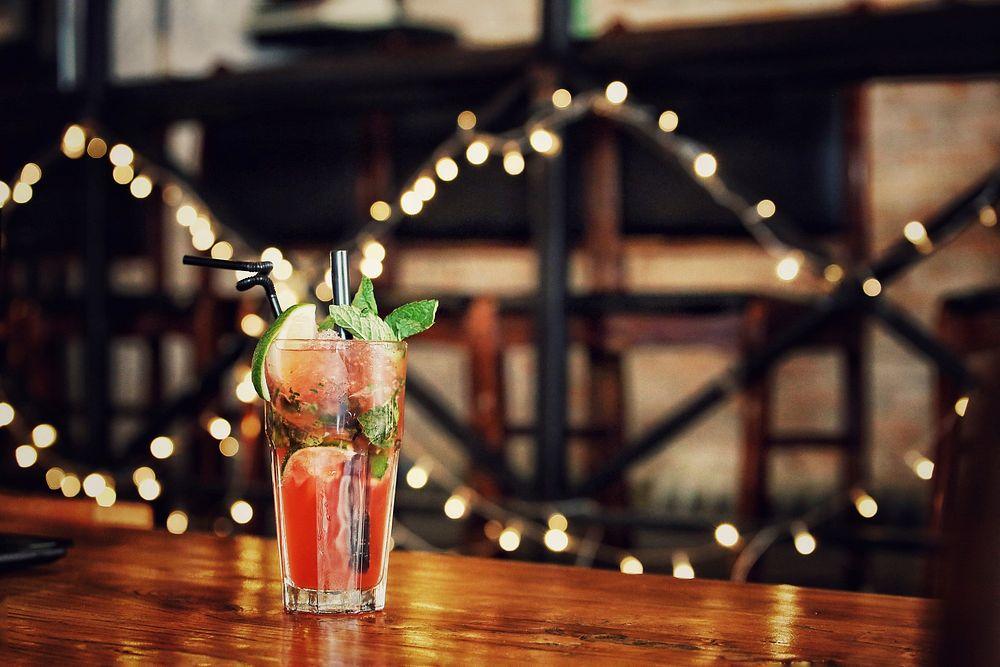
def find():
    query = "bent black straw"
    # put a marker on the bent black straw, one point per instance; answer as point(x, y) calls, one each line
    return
point(260, 270)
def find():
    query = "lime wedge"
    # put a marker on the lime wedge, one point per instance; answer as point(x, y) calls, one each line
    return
point(298, 322)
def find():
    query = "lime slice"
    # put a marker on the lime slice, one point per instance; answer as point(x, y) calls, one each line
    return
point(298, 322)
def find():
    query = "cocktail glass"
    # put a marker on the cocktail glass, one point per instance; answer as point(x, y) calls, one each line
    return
point(334, 488)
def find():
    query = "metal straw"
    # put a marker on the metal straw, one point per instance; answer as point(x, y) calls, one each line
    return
point(341, 283)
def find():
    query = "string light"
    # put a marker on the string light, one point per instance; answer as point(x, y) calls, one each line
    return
point(222, 250)
point(561, 98)
point(682, 568)
point(513, 162)
point(510, 539)
point(455, 507)
point(70, 485)
point(542, 140)
point(122, 174)
point(410, 203)
point(93, 484)
point(245, 392)
point(186, 215)
point(172, 194)
point(922, 466)
point(282, 269)
point(141, 187)
point(370, 267)
point(766, 208)
point(177, 522)
point(26, 455)
point(492, 529)
point(556, 540)
point(107, 497)
point(229, 446)
point(374, 250)
point(203, 239)
point(121, 155)
point(6, 413)
point(446, 169)
point(73, 141)
point(987, 216)
point(864, 503)
point(833, 273)
point(705, 165)
point(630, 565)
point(141, 473)
point(149, 489)
point(44, 435)
point(241, 511)
point(272, 255)
point(31, 173)
point(97, 148)
point(466, 120)
point(54, 477)
point(871, 287)
point(788, 268)
point(324, 292)
point(219, 428)
point(253, 325)
point(380, 211)
point(961, 405)
point(915, 232)
point(616, 92)
point(668, 121)
point(161, 447)
point(727, 535)
point(4, 193)
point(477, 152)
point(21, 194)
point(417, 476)
point(250, 425)
point(425, 188)
point(558, 522)
point(804, 541)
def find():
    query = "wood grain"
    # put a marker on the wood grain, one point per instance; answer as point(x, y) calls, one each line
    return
point(155, 597)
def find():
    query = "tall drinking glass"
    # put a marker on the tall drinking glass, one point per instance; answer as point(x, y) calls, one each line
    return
point(333, 484)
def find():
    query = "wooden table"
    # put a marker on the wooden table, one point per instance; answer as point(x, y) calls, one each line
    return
point(138, 595)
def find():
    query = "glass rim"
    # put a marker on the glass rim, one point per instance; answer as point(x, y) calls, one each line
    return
point(332, 343)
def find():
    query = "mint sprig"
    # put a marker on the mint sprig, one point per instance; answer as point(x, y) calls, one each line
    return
point(361, 319)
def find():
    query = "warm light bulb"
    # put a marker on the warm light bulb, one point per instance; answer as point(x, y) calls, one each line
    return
point(833, 273)
point(510, 539)
point(272, 255)
point(380, 211)
point(219, 428)
point(915, 232)
point(727, 534)
point(705, 165)
point(542, 140)
point(241, 511)
point(513, 162)
point(923, 467)
point(374, 250)
point(805, 543)
point(70, 485)
point(987, 215)
point(222, 250)
point(558, 522)
point(282, 269)
point(203, 239)
point(73, 140)
point(161, 447)
point(455, 507)
point(22, 192)
point(425, 188)
point(766, 208)
point(245, 392)
point(561, 98)
point(446, 169)
point(370, 267)
point(177, 522)
point(121, 155)
point(668, 121)
point(4, 193)
point(417, 477)
point(141, 473)
point(6, 413)
point(630, 565)
point(682, 568)
point(229, 446)
point(172, 194)
point(871, 287)
point(44, 435)
point(149, 489)
point(466, 120)
point(788, 268)
point(107, 497)
point(616, 92)
point(97, 148)
point(186, 215)
point(93, 484)
point(556, 540)
point(864, 504)
point(31, 173)
point(25, 455)
point(122, 174)
point(54, 477)
point(477, 152)
point(253, 325)
point(141, 187)
point(324, 292)
point(411, 203)
point(961, 405)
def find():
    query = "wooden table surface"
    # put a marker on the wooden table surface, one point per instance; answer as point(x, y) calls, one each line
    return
point(150, 596)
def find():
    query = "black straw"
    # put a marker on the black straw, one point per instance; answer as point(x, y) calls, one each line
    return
point(260, 270)
point(341, 283)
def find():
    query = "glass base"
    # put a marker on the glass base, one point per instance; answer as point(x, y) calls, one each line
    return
point(309, 601)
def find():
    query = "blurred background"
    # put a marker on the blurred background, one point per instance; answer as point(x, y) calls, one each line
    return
point(719, 279)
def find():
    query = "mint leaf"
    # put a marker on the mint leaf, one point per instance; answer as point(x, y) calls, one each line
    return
point(364, 300)
point(379, 423)
point(412, 318)
point(377, 465)
point(361, 325)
